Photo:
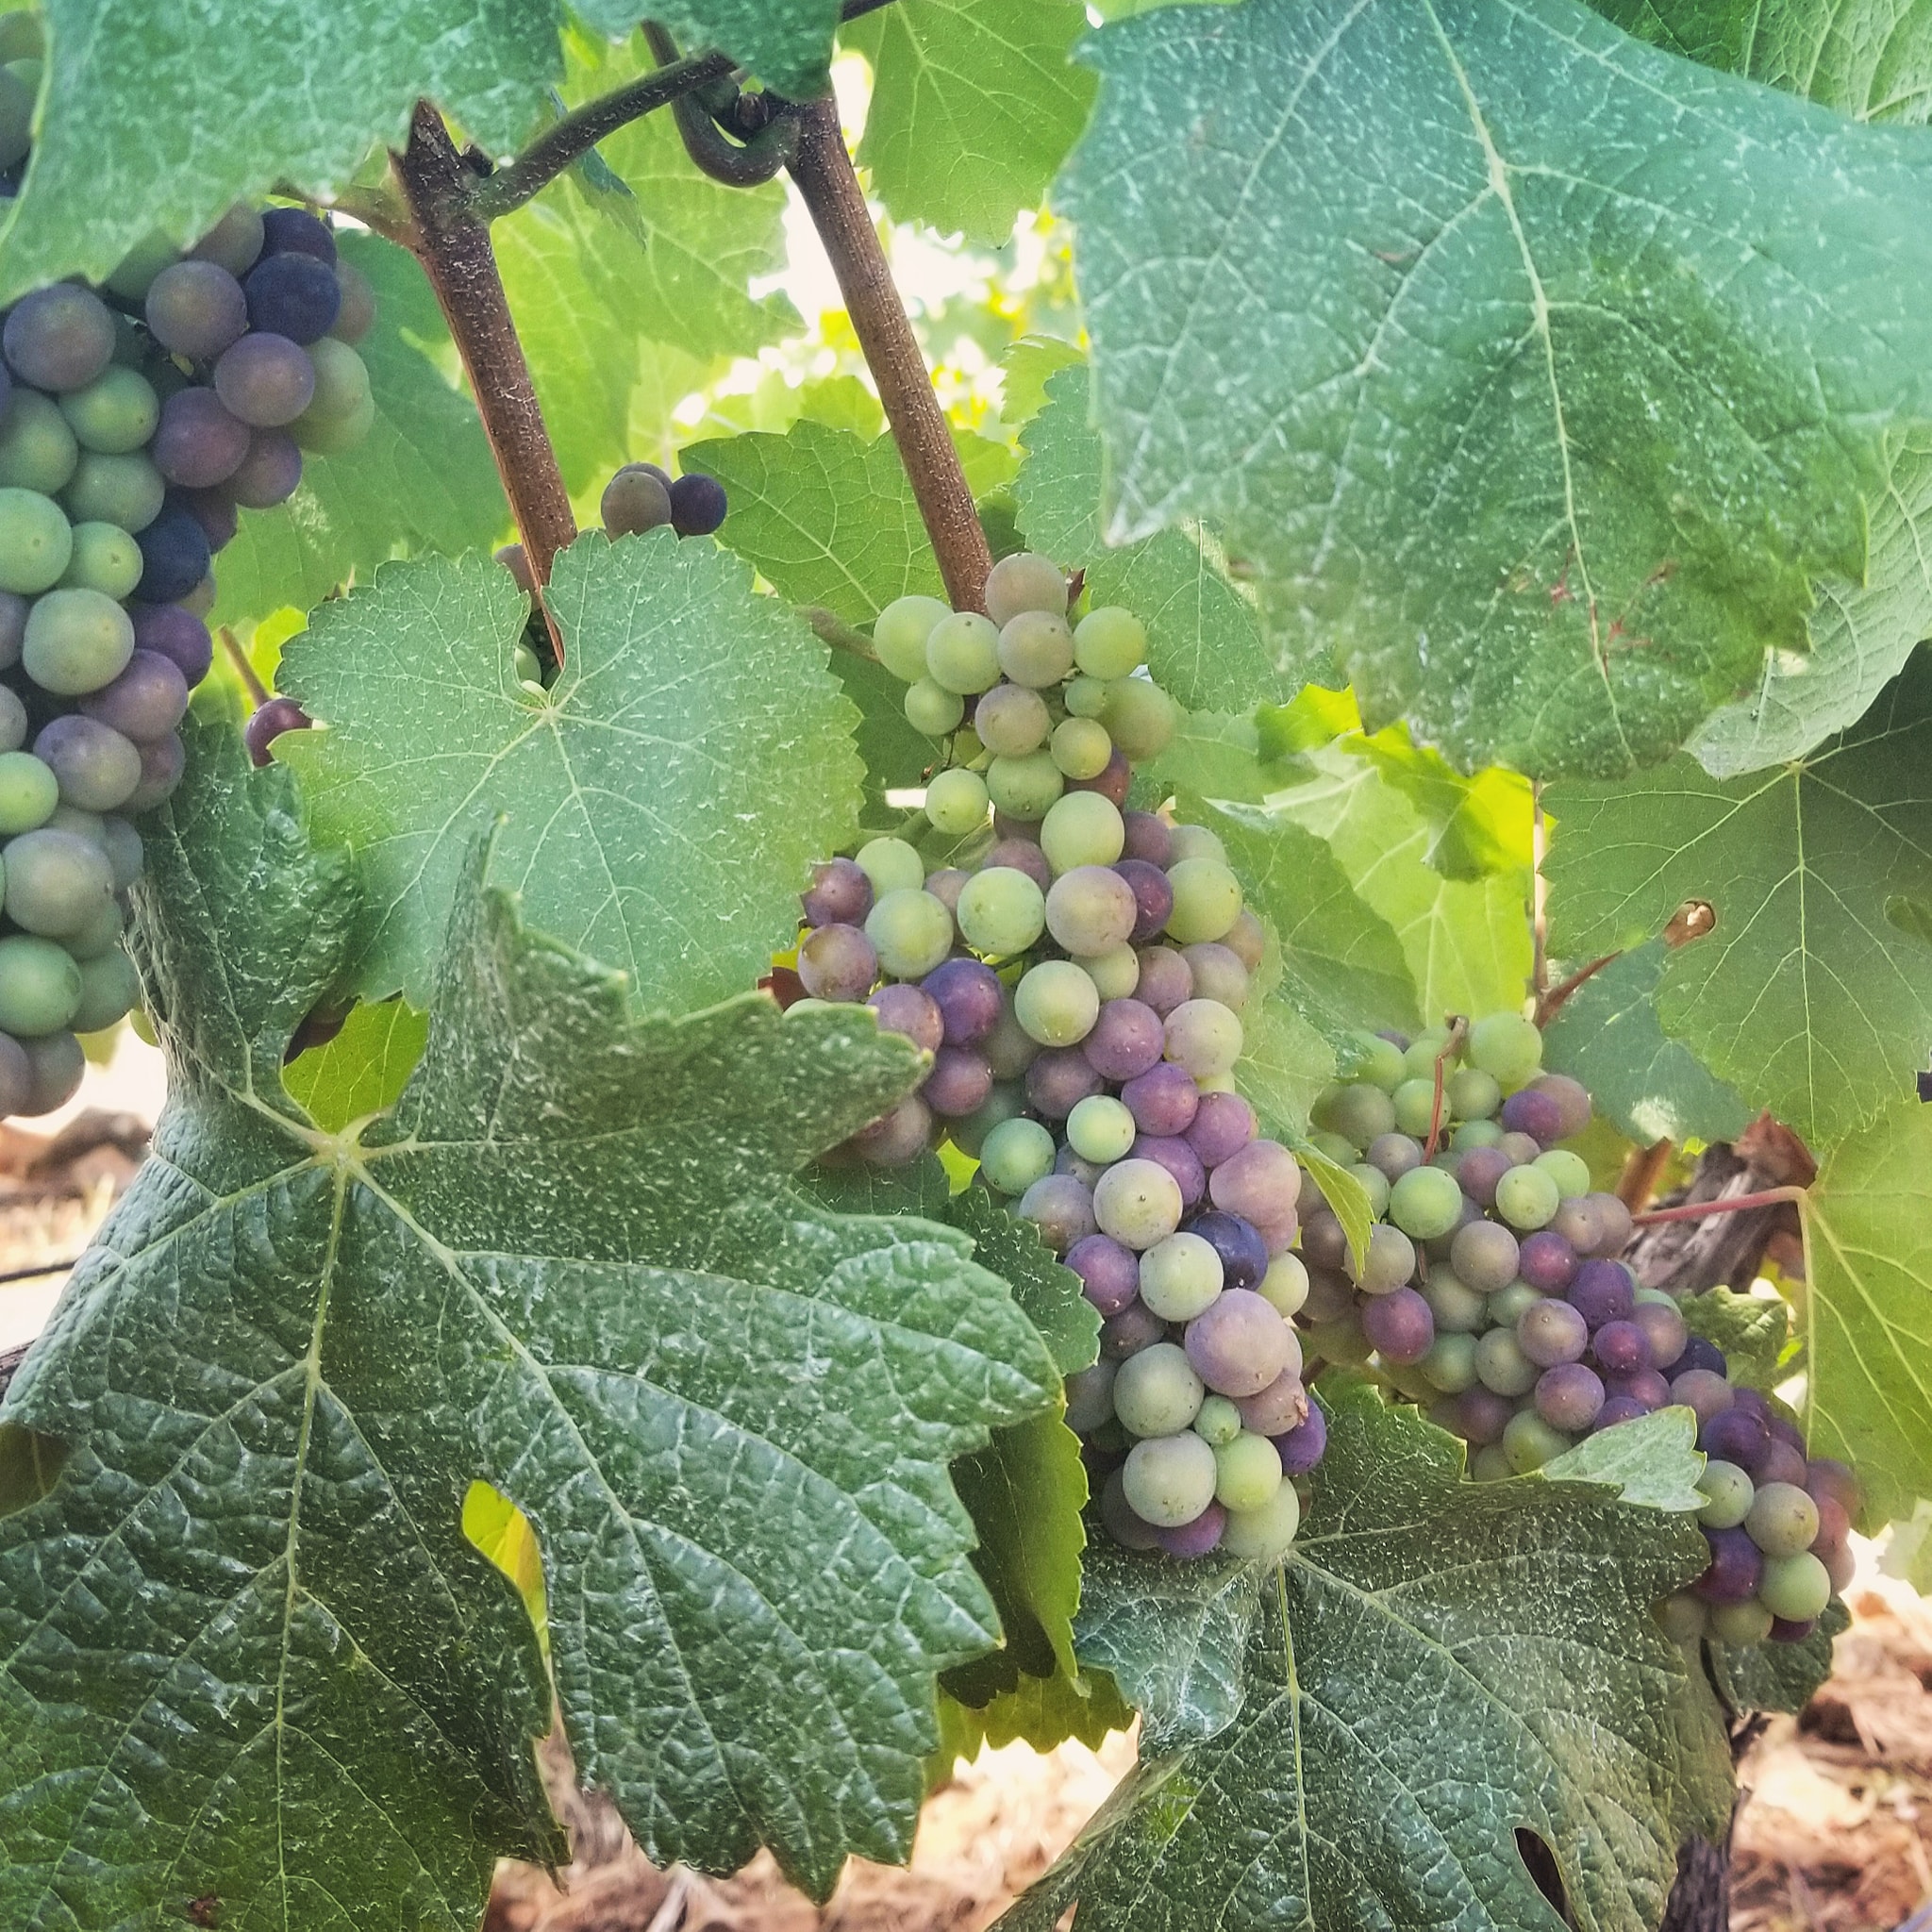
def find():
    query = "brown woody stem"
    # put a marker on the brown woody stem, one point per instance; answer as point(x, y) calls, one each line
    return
point(824, 172)
point(1551, 1003)
point(1732, 1203)
point(453, 243)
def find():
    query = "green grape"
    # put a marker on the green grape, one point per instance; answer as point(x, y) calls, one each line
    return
point(1450, 1364)
point(1334, 1147)
point(36, 540)
point(109, 986)
point(40, 987)
point(892, 865)
point(1490, 1465)
point(138, 268)
point(127, 491)
point(1285, 1287)
point(1090, 909)
point(1100, 1128)
point(911, 932)
point(29, 792)
point(1157, 1393)
point(900, 634)
point(1570, 1171)
point(1140, 717)
point(1024, 581)
point(1138, 1203)
point(956, 802)
point(122, 843)
point(98, 937)
point(932, 710)
point(1425, 1202)
point(38, 450)
point(1471, 1094)
point(1081, 747)
point(1682, 1617)
point(526, 665)
point(1109, 642)
point(1794, 1588)
point(339, 413)
point(1085, 697)
point(1180, 1276)
point(1526, 1198)
point(1374, 1059)
point(1036, 649)
point(1000, 911)
point(1024, 788)
point(1502, 1366)
point(1007, 1101)
point(115, 413)
point(1014, 1154)
point(1265, 1534)
point(1012, 721)
point(1529, 1442)
point(1415, 1108)
point(76, 641)
point(1506, 1305)
point(1219, 1421)
point(1082, 828)
point(1115, 973)
point(1419, 1060)
point(1742, 1624)
point(55, 882)
point(1169, 1480)
point(1359, 1113)
point(1783, 1519)
point(1057, 1003)
point(1203, 1036)
point(1457, 1308)
point(1475, 1134)
point(105, 558)
point(1247, 1473)
point(1375, 1183)
point(1506, 1047)
point(1194, 842)
point(963, 652)
point(1206, 900)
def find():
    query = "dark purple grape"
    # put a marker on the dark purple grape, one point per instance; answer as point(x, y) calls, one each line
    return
point(840, 893)
point(1547, 1261)
point(1617, 1409)
point(1399, 1326)
point(1784, 1631)
point(163, 762)
point(1109, 1272)
point(697, 504)
point(1243, 1252)
point(1125, 1042)
point(1536, 1114)
point(959, 1083)
point(1479, 1170)
point(1131, 1531)
point(175, 633)
point(1137, 1327)
point(265, 380)
point(1302, 1447)
point(1148, 836)
point(1702, 1354)
point(214, 510)
point(267, 724)
point(1059, 1080)
point(1754, 1400)
point(903, 1008)
point(1621, 1348)
point(1395, 1155)
point(1603, 1291)
point(1736, 1436)
point(1825, 1476)
point(1020, 854)
point(1179, 1160)
point(1112, 783)
point(1641, 1385)
point(1323, 1244)
point(633, 501)
point(968, 997)
point(1737, 1567)
point(1786, 1431)
point(1569, 1397)
point(293, 295)
point(197, 309)
point(837, 963)
point(1224, 1124)
point(1571, 1099)
point(1482, 1415)
point(295, 231)
point(145, 702)
point(1163, 1100)
point(271, 472)
point(60, 338)
point(1153, 898)
point(1188, 1541)
point(199, 442)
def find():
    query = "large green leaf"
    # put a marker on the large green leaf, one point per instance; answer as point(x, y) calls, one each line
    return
point(1777, 1677)
point(1652, 1459)
point(974, 107)
point(1812, 995)
point(1435, 1666)
point(250, 1654)
point(1538, 422)
point(787, 43)
point(665, 797)
point(423, 480)
point(1868, 1326)
point(1204, 638)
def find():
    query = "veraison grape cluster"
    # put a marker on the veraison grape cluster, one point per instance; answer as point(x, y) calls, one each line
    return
point(136, 421)
point(1079, 976)
point(1493, 1293)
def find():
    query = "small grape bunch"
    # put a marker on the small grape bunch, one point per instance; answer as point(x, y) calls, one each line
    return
point(1078, 972)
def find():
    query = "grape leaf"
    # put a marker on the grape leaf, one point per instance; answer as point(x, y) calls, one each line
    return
point(787, 43)
point(1811, 996)
point(1284, 1066)
point(1652, 1460)
point(1479, 824)
point(1204, 638)
point(1040, 1711)
point(1753, 1331)
point(570, 1264)
point(1868, 1265)
point(1606, 1034)
point(1507, 1625)
point(1777, 1677)
point(364, 1070)
point(1025, 370)
point(974, 107)
point(1347, 1199)
point(422, 480)
point(641, 825)
point(1443, 449)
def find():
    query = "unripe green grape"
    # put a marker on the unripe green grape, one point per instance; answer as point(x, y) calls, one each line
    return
point(1471, 1094)
point(339, 413)
point(963, 652)
point(1506, 1047)
point(1057, 1004)
point(40, 987)
point(1169, 1480)
point(1458, 1309)
point(900, 634)
point(893, 865)
point(1024, 581)
point(1415, 1108)
point(1024, 788)
point(105, 558)
point(76, 641)
point(1100, 1128)
point(1359, 1113)
point(115, 413)
point(1203, 1036)
point(1285, 1287)
point(29, 792)
point(1219, 1421)
point(1265, 1534)
point(1157, 1393)
point(1206, 900)
point(1795, 1588)
point(1502, 1366)
point(1334, 1147)
point(99, 936)
point(1000, 911)
point(1507, 1305)
point(1529, 1442)
point(1783, 1519)
point(1526, 1198)
point(1371, 1059)
point(1194, 842)
point(1450, 1364)
point(911, 932)
point(1744, 1623)
point(57, 882)
point(969, 748)
point(1375, 1183)
point(1036, 649)
point(1012, 721)
point(1570, 1171)
point(1085, 697)
point(1082, 828)
point(36, 542)
point(138, 268)
point(1180, 1276)
point(1490, 1465)
point(1014, 1154)
point(1425, 1202)
point(1418, 1058)
point(109, 986)
point(38, 449)
point(956, 802)
point(1007, 1101)
point(1115, 973)
point(1390, 1261)
point(1139, 717)
point(931, 710)
point(1081, 747)
point(1110, 642)
point(1682, 1617)
point(127, 491)
point(1475, 1134)
point(1138, 1203)
point(1247, 1473)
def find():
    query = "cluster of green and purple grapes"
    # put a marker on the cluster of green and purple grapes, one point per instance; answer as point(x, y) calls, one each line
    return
point(136, 421)
point(1492, 1292)
point(1078, 972)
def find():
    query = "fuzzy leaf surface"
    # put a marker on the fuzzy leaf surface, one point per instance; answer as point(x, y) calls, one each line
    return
point(1777, 1677)
point(787, 43)
point(1443, 450)
point(638, 793)
point(1653, 1460)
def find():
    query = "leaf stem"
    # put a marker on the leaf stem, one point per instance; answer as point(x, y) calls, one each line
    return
point(839, 634)
point(453, 243)
point(258, 691)
point(1551, 1003)
point(1731, 1204)
point(1459, 1032)
point(830, 189)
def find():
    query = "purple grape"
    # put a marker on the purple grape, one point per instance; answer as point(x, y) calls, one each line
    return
point(60, 338)
point(1323, 1244)
point(1237, 1345)
point(1737, 1568)
point(1190, 1541)
point(1148, 836)
point(1302, 1447)
point(959, 1083)
point(197, 309)
point(1482, 1415)
point(1571, 1100)
point(1663, 1328)
point(1780, 1463)
point(1153, 898)
point(837, 963)
point(1825, 1476)
point(1786, 1431)
point(1165, 980)
point(163, 763)
point(1179, 1160)
point(634, 501)
point(1736, 1436)
point(840, 893)
point(1479, 1170)
point(268, 721)
point(1259, 1181)
point(1244, 1254)
point(1569, 1396)
point(1059, 1080)
point(1067, 1161)
point(1617, 1409)
point(175, 633)
point(1702, 1354)
point(1163, 1100)
point(1395, 1155)
point(270, 473)
point(1644, 1386)
point(1615, 1224)
point(1547, 1261)
point(1061, 1208)
point(1022, 854)
point(1125, 1042)
point(1603, 1291)
point(295, 231)
point(1537, 1115)
point(1621, 1348)
point(1131, 1531)
point(947, 885)
point(1484, 1254)
point(1747, 1397)
point(1109, 1272)
point(97, 768)
point(968, 997)
point(265, 380)
point(214, 510)
point(199, 442)
point(1224, 1124)
point(1399, 1326)
point(903, 1009)
point(1577, 1220)
point(1012, 831)
point(1833, 1524)
point(145, 702)
point(1784, 1631)
point(293, 295)
point(1278, 1407)
point(1112, 783)
point(1550, 1332)
point(697, 504)
point(1522, 1148)
point(1137, 1327)
point(1703, 1390)
point(896, 1139)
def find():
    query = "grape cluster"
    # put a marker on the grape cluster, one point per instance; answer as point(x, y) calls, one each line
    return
point(1078, 973)
point(136, 421)
point(1492, 1294)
